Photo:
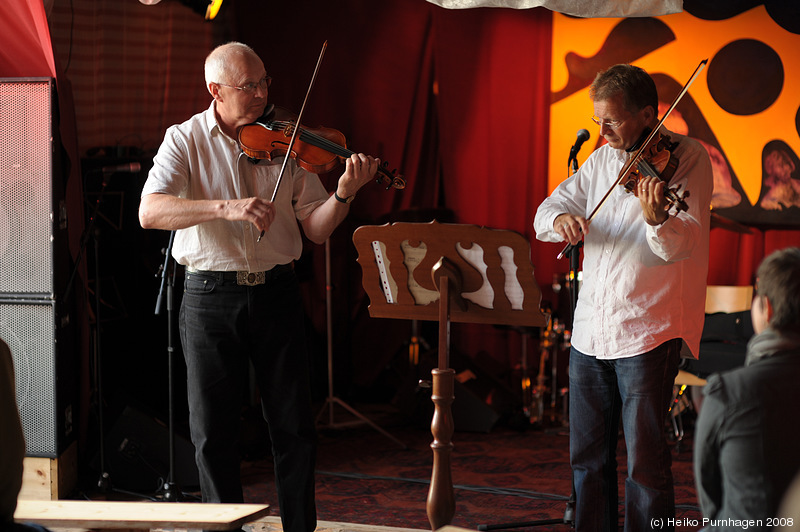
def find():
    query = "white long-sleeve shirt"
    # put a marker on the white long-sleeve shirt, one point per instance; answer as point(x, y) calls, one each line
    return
point(642, 285)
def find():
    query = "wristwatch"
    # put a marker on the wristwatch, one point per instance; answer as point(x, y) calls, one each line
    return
point(344, 200)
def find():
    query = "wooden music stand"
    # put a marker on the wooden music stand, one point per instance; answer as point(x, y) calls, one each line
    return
point(447, 273)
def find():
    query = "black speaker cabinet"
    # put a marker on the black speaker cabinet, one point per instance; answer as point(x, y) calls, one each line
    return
point(34, 264)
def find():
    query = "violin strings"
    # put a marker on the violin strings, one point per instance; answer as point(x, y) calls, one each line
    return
point(318, 141)
point(323, 143)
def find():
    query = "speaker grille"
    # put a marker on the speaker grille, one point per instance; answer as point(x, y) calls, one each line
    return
point(29, 331)
point(26, 214)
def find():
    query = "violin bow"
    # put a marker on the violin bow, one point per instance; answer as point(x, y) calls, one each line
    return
point(296, 128)
point(642, 147)
point(654, 132)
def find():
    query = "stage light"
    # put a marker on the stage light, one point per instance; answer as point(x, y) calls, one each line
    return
point(213, 9)
point(207, 8)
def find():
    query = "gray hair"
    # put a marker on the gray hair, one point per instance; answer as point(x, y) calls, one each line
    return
point(220, 66)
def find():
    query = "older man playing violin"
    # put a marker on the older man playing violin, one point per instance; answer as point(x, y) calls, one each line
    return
point(241, 300)
point(640, 306)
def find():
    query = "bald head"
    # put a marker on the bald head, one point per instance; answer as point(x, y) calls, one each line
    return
point(224, 63)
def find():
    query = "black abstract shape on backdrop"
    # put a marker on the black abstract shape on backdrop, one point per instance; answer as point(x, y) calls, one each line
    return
point(629, 40)
point(797, 121)
point(785, 13)
point(745, 77)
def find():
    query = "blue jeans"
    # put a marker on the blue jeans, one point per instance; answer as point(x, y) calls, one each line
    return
point(224, 327)
point(639, 390)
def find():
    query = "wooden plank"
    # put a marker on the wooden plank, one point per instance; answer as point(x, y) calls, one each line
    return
point(50, 478)
point(273, 524)
point(138, 515)
point(36, 479)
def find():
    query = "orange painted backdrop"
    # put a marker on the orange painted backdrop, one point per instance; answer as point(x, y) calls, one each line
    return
point(743, 107)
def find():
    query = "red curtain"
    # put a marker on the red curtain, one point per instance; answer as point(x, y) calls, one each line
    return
point(493, 72)
point(734, 257)
point(456, 99)
point(26, 50)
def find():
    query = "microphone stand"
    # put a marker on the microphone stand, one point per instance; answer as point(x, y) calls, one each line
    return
point(574, 258)
point(104, 481)
point(574, 261)
point(573, 253)
point(170, 491)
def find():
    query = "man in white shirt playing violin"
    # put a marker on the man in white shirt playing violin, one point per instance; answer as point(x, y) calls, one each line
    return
point(641, 303)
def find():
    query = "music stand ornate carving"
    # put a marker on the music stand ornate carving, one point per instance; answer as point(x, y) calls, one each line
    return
point(447, 273)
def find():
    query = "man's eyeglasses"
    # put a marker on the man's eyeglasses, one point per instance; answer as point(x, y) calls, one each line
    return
point(250, 88)
point(610, 124)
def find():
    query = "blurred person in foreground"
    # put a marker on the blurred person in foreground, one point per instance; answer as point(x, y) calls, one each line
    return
point(746, 438)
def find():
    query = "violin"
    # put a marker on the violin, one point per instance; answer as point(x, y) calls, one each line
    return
point(317, 150)
point(655, 159)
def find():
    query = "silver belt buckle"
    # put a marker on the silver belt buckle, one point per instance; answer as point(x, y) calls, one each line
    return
point(250, 278)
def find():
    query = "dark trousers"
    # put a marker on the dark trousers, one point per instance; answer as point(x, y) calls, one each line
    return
point(224, 327)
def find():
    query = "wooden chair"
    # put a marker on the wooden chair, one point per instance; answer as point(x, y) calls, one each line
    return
point(447, 273)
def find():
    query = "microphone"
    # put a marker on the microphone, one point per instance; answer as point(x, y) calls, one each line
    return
point(128, 168)
point(583, 136)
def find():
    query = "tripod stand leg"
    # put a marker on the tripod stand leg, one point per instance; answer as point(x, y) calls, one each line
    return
point(329, 404)
point(332, 400)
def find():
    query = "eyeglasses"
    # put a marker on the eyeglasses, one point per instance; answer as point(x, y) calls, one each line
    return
point(610, 124)
point(250, 88)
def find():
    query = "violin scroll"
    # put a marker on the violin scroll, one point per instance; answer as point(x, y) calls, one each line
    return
point(389, 178)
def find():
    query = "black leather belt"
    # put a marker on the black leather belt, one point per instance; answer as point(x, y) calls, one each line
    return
point(246, 278)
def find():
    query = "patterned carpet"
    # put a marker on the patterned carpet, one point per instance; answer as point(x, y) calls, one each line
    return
point(505, 476)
